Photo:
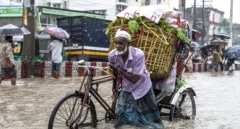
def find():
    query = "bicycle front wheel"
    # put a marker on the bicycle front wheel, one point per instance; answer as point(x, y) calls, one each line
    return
point(185, 106)
point(66, 114)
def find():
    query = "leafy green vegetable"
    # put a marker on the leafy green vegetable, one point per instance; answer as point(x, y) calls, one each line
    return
point(133, 26)
point(180, 83)
point(181, 34)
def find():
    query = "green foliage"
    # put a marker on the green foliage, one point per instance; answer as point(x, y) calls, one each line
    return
point(180, 83)
point(135, 23)
point(133, 26)
point(181, 34)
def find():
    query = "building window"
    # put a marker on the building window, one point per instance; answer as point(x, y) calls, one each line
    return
point(159, 1)
point(49, 4)
point(57, 5)
point(124, 1)
point(147, 2)
point(98, 11)
point(120, 8)
point(65, 4)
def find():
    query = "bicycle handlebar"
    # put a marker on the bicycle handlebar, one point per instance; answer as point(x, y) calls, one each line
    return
point(82, 64)
point(92, 67)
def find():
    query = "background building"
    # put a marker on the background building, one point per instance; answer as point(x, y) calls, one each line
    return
point(204, 18)
point(12, 9)
point(207, 24)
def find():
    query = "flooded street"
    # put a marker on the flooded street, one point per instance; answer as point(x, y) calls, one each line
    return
point(29, 104)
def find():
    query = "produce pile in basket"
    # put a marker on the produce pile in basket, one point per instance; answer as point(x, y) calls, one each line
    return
point(157, 39)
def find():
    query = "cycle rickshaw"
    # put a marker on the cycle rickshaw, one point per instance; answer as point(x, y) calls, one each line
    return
point(77, 110)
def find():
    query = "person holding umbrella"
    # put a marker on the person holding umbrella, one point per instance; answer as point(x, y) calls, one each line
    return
point(7, 60)
point(58, 35)
point(217, 59)
point(56, 46)
point(230, 65)
point(232, 54)
point(6, 50)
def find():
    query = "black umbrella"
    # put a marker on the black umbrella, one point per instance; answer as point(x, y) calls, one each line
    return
point(232, 52)
point(208, 48)
point(218, 42)
point(223, 36)
point(12, 30)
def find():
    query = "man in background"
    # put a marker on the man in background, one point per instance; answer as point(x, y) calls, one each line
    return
point(7, 60)
point(56, 46)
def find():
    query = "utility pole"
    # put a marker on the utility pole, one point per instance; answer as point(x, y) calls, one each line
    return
point(182, 7)
point(29, 40)
point(194, 15)
point(203, 21)
point(230, 23)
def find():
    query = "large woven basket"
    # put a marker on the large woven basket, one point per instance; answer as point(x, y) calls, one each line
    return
point(158, 56)
point(113, 31)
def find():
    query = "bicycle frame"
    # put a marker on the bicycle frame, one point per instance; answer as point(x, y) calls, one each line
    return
point(88, 90)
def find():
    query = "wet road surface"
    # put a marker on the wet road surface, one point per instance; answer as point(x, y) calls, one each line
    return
point(29, 104)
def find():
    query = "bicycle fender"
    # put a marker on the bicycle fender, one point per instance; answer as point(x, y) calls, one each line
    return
point(176, 95)
point(191, 91)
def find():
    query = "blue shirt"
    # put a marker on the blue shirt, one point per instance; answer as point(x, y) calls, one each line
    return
point(134, 64)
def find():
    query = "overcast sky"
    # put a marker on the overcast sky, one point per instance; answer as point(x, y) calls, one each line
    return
point(222, 5)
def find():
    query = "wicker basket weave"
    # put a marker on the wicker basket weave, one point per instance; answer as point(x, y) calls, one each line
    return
point(113, 30)
point(158, 56)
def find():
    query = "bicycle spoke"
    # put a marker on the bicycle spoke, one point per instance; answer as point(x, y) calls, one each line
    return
point(66, 114)
point(185, 108)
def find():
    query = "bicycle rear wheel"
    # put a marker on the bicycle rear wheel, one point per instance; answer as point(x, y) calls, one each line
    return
point(65, 115)
point(185, 106)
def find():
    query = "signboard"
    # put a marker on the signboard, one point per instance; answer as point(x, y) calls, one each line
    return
point(18, 12)
point(11, 12)
point(69, 13)
point(25, 17)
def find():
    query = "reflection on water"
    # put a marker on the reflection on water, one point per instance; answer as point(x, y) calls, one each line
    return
point(29, 104)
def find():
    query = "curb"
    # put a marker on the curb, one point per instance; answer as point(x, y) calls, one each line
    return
point(69, 68)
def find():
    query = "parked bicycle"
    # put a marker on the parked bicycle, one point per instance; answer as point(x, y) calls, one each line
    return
point(77, 110)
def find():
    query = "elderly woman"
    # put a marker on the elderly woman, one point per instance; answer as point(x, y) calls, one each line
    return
point(136, 104)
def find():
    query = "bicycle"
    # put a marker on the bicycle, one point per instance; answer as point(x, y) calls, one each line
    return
point(77, 110)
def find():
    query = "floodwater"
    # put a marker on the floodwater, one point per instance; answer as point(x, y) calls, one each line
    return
point(28, 105)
